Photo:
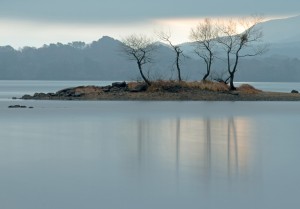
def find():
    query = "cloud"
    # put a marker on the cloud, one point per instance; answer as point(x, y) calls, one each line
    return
point(110, 11)
point(46, 21)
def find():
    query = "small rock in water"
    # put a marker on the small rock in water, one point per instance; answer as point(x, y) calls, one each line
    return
point(14, 98)
point(16, 106)
point(294, 92)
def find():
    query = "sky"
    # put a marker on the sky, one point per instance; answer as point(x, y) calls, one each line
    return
point(38, 22)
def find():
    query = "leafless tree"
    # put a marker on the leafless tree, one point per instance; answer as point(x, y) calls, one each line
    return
point(139, 48)
point(204, 37)
point(166, 37)
point(221, 76)
point(238, 44)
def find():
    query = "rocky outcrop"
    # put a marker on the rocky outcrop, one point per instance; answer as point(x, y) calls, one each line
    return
point(295, 92)
point(80, 92)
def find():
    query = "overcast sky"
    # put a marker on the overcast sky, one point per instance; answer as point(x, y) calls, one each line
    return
point(34, 22)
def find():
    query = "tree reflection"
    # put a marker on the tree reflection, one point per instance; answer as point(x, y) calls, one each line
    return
point(207, 150)
point(232, 149)
point(206, 145)
point(177, 145)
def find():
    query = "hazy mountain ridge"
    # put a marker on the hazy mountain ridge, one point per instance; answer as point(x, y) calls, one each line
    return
point(282, 30)
point(103, 60)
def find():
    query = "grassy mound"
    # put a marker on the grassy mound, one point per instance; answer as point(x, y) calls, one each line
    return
point(246, 88)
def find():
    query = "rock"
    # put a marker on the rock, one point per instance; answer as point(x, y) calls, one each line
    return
point(63, 91)
point(139, 88)
point(26, 96)
point(14, 98)
point(119, 84)
point(66, 92)
point(30, 107)
point(40, 95)
point(114, 89)
point(77, 94)
point(51, 94)
point(106, 88)
point(295, 92)
point(16, 106)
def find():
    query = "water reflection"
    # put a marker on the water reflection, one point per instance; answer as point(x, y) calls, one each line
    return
point(145, 162)
point(85, 157)
point(205, 147)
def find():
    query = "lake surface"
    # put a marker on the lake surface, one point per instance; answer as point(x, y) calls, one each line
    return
point(146, 155)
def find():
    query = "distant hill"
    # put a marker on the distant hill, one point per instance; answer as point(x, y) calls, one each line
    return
point(282, 30)
point(103, 60)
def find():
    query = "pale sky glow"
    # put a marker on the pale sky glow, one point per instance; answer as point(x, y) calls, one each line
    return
point(29, 33)
point(32, 33)
point(38, 22)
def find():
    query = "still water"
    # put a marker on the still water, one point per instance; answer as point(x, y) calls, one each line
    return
point(146, 155)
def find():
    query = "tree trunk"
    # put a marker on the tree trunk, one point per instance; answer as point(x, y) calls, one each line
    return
point(232, 87)
point(143, 76)
point(178, 67)
point(208, 66)
point(232, 73)
point(205, 77)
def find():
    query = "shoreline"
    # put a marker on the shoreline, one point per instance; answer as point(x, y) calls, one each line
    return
point(164, 91)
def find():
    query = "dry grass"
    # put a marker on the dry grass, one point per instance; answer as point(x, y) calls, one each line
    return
point(132, 85)
point(170, 86)
point(209, 86)
point(175, 86)
point(246, 88)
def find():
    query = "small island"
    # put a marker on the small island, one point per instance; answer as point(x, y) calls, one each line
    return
point(166, 91)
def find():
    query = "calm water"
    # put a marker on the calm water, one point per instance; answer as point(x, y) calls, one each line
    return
point(146, 155)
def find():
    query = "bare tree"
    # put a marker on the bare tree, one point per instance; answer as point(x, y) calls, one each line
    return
point(139, 48)
point(238, 44)
point(204, 37)
point(163, 36)
point(221, 76)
